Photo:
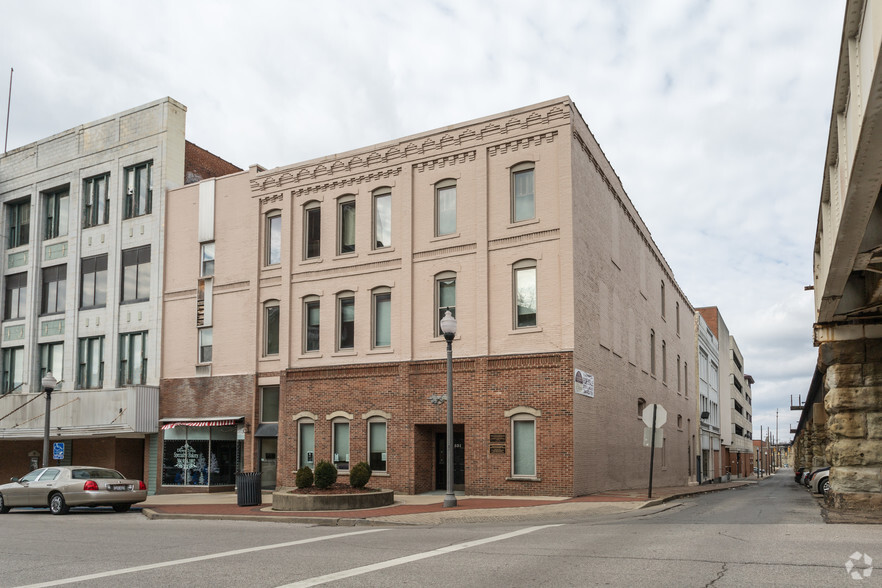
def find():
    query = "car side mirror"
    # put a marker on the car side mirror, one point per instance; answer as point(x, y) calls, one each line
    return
point(13, 479)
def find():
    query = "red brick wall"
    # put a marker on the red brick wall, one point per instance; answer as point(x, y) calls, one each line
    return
point(200, 164)
point(484, 388)
point(123, 454)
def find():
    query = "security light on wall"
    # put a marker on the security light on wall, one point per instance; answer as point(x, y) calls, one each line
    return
point(705, 415)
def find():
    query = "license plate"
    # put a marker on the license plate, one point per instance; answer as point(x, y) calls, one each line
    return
point(118, 487)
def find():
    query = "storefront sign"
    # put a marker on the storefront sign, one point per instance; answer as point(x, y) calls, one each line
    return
point(583, 383)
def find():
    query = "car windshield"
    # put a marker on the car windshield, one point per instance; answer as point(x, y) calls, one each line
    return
point(31, 476)
point(92, 473)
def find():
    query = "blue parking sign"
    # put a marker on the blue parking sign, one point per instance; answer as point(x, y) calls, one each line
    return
point(58, 451)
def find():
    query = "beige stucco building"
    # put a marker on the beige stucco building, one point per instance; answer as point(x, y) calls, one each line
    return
point(305, 303)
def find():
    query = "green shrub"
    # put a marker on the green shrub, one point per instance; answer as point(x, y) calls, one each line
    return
point(304, 477)
point(360, 474)
point(325, 474)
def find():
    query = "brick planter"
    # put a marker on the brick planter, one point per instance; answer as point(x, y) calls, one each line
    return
point(285, 500)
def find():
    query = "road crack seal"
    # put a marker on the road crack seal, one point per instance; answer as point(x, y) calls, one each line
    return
point(719, 576)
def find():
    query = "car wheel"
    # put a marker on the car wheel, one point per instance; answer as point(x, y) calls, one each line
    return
point(825, 487)
point(57, 505)
point(121, 507)
point(3, 508)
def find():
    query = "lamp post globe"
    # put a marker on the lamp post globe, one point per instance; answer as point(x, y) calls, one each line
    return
point(448, 328)
point(48, 383)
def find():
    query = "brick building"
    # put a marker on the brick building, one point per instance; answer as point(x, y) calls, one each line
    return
point(306, 300)
point(82, 259)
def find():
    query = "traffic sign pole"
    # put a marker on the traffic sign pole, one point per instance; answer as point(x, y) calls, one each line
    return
point(652, 448)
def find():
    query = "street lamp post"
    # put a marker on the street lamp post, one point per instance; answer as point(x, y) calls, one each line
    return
point(49, 382)
point(448, 327)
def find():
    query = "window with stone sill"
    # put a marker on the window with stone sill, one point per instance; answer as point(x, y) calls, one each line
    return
point(139, 190)
point(377, 445)
point(18, 223)
point(523, 446)
point(523, 204)
point(55, 213)
point(16, 296)
point(306, 443)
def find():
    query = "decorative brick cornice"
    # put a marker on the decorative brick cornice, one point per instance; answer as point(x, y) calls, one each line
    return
point(272, 198)
point(525, 361)
point(445, 252)
point(548, 235)
point(521, 143)
point(343, 184)
point(364, 268)
point(442, 162)
point(231, 287)
point(336, 373)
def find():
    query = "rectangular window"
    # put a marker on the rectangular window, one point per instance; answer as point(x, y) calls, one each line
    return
point(93, 282)
point(52, 360)
point(306, 432)
point(205, 336)
point(271, 330)
point(96, 201)
point(383, 319)
point(446, 296)
point(445, 210)
point(523, 439)
point(523, 204)
point(139, 190)
point(313, 231)
point(90, 372)
point(525, 296)
point(341, 445)
point(269, 404)
point(13, 369)
point(377, 446)
point(132, 359)
point(346, 220)
point(56, 211)
point(16, 296)
point(201, 456)
point(52, 295)
point(273, 252)
point(206, 268)
point(136, 274)
point(382, 221)
point(18, 216)
point(686, 379)
point(346, 323)
point(312, 315)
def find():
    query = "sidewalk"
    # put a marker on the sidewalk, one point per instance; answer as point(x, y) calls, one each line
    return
point(422, 509)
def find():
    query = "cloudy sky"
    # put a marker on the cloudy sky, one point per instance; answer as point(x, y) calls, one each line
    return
point(714, 114)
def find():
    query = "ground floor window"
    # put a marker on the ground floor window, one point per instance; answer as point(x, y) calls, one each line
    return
point(377, 445)
point(523, 458)
point(200, 456)
point(307, 444)
point(341, 445)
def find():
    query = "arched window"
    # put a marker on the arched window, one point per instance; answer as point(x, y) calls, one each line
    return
point(271, 327)
point(445, 297)
point(523, 441)
point(523, 203)
point(311, 324)
point(312, 229)
point(345, 320)
point(382, 317)
point(524, 293)
point(273, 238)
point(382, 219)
point(652, 352)
point(445, 208)
point(641, 404)
point(346, 224)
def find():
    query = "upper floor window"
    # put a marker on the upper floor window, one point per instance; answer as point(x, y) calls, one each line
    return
point(55, 213)
point(90, 372)
point(525, 293)
point(18, 216)
point(132, 359)
point(93, 281)
point(664, 361)
point(312, 230)
point(652, 352)
point(686, 379)
point(16, 297)
point(677, 317)
point(13, 369)
point(205, 341)
point(53, 289)
point(345, 321)
point(136, 274)
point(139, 190)
point(269, 404)
point(382, 220)
point(523, 203)
point(445, 208)
point(445, 298)
point(206, 267)
point(663, 299)
point(271, 328)
point(311, 323)
point(52, 360)
point(96, 201)
point(273, 250)
point(382, 327)
point(346, 224)
point(679, 382)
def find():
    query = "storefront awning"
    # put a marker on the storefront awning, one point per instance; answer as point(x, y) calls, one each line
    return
point(267, 430)
point(220, 422)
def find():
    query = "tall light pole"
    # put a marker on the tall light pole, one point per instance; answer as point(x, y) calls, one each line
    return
point(49, 382)
point(448, 327)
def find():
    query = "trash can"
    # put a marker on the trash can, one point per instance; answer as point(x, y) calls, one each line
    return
point(248, 489)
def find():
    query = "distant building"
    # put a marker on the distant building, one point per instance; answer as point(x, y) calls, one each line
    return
point(736, 404)
point(708, 399)
point(306, 300)
point(82, 253)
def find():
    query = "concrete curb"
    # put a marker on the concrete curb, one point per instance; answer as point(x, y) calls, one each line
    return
point(152, 515)
point(707, 490)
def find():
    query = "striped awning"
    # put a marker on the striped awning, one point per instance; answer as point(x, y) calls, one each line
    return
point(221, 423)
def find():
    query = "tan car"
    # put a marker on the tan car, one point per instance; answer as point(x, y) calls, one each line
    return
point(62, 487)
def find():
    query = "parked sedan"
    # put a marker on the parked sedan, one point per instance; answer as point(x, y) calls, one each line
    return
point(820, 482)
point(62, 487)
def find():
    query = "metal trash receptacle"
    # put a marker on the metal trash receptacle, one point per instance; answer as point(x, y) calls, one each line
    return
point(248, 489)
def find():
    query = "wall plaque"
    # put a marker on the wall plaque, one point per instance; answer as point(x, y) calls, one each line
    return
point(497, 437)
point(497, 449)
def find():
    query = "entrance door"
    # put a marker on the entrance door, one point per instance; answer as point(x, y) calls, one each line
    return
point(458, 461)
point(268, 448)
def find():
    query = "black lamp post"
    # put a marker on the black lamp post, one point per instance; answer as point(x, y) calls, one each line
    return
point(448, 327)
point(48, 382)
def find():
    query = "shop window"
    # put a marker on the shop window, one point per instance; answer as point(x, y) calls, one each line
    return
point(199, 456)
point(16, 298)
point(13, 369)
point(139, 190)
point(311, 324)
point(523, 205)
point(382, 219)
point(55, 215)
point(312, 230)
point(306, 443)
point(54, 286)
point(18, 223)
point(96, 201)
point(445, 208)
point(90, 372)
point(525, 303)
point(93, 282)
point(377, 445)
point(133, 359)
point(340, 444)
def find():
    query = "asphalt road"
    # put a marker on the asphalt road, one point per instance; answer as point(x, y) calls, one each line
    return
point(770, 534)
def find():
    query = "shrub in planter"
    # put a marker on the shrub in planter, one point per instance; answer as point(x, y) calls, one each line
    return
point(360, 475)
point(304, 477)
point(325, 474)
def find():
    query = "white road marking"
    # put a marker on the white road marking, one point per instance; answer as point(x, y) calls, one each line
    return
point(187, 560)
point(409, 558)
